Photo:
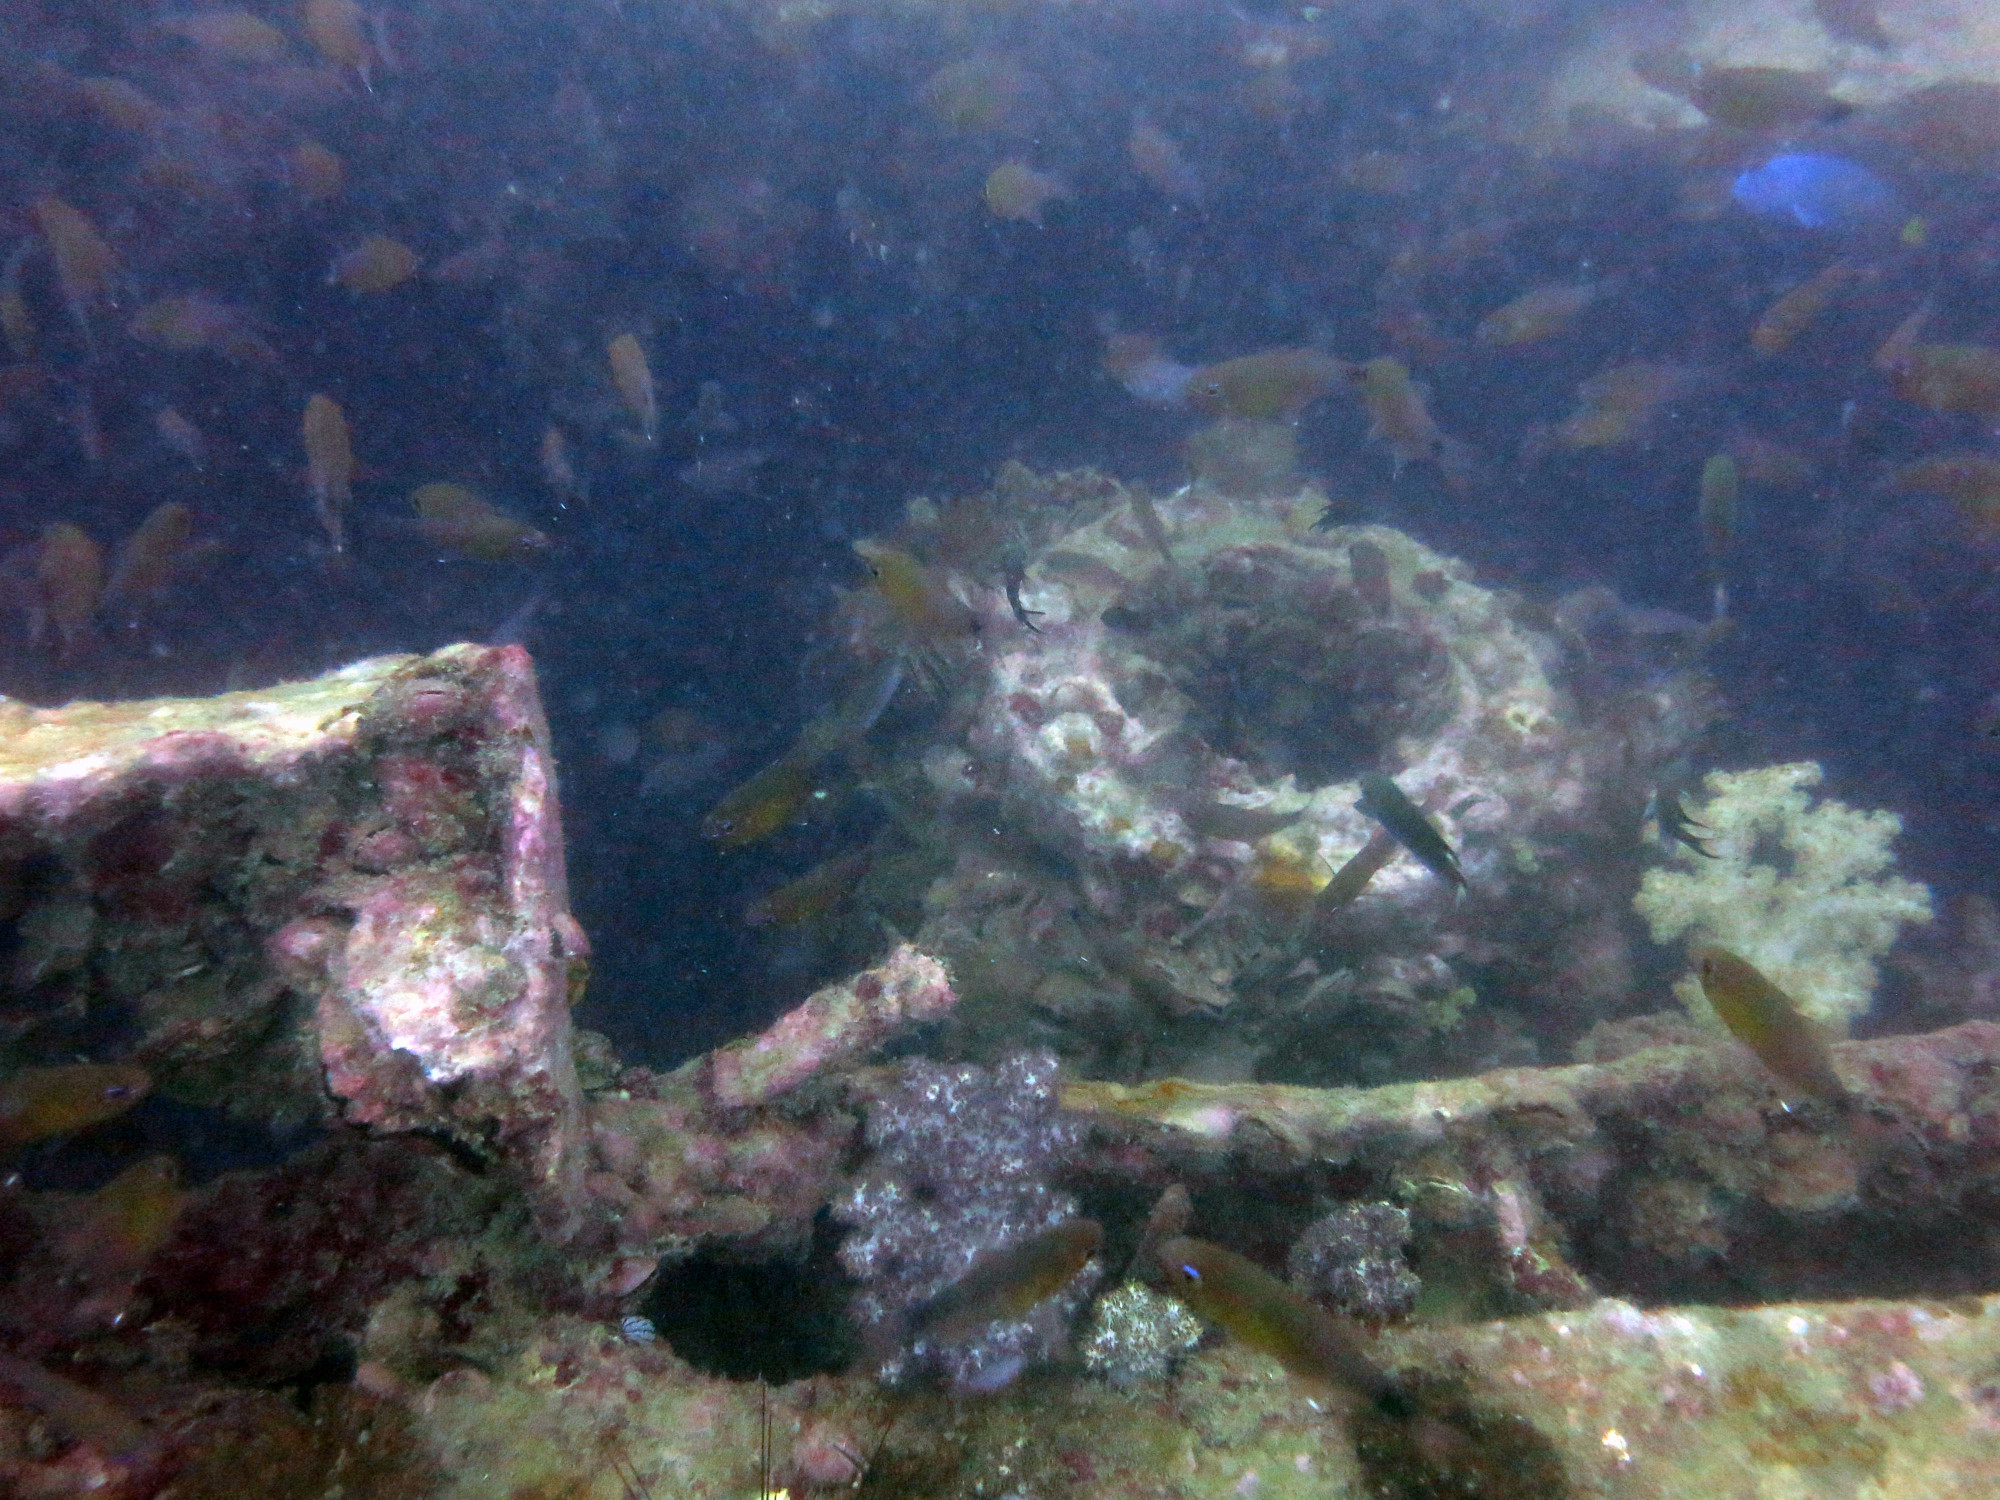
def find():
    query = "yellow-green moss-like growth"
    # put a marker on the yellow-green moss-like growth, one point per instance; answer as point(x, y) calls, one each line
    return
point(1800, 888)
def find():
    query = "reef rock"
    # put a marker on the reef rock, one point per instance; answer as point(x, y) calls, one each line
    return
point(337, 898)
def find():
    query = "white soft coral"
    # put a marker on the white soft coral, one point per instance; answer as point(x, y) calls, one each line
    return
point(1800, 888)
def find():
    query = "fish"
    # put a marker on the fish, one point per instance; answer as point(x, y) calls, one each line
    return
point(1233, 821)
point(16, 322)
point(1134, 360)
point(1257, 1309)
point(233, 35)
point(1015, 576)
point(116, 1229)
point(633, 378)
point(1766, 98)
point(1768, 1021)
point(329, 467)
point(1539, 313)
point(121, 104)
point(376, 264)
point(462, 521)
point(822, 889)
point(1399, 416)
point(975, 93)
point(772, 799)
point(1798, 309)
point(778, 794)
point(1383, 800)
point(1014, 190)
point(36, 1103)
point(1157, 157)
point(559, 472)
point(316, 173)
point(1969, 480)
point(197, 322)
point(1147, 515)
point(85, 264)
point(337, 29)
point(1352, 878)
point(181, 435)
point(148, 560)
point(80, 1415)
point(1815, 191)
point(1615, 406)
point(1716, 508)
point(1270, 385)
point(1950, 378)
point(927, 613)
point(1008, 1282)
point(69, 580)
point(1670, 816)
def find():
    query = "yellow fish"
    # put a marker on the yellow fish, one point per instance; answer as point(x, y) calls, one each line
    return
point(1259, 1310)
point(1767, 1021)
point(457, 519)
point(329, 467)
point(634, 379)
point(36, 1103)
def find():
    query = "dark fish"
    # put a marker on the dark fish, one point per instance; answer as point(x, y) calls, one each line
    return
point(1676, 827)
point(1148, 517)
point(1383, 800)
point(1767, 1021)
point(36, 1103)
point(1261, 1311)
point(1352, 878)
point(1016, 576)
point(1226, 820)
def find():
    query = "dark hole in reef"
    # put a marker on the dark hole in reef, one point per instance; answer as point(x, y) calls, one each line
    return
point(776, 1320)
point(1284, 668)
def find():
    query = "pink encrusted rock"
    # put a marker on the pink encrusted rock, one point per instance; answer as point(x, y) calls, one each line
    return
point(344, 896)
point(837, 1025)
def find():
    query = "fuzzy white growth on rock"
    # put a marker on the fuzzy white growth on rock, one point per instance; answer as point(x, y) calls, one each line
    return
point(1800, 888)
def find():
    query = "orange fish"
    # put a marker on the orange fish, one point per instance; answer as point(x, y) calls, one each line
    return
point(336, 30)
point(316, 173)
point(459, 520)
point(84, 263)
point(120, 104)
point(1969, 480)
point(69, 576)
point(1539, 313)
point(1613, 408)
point(15, 320)
point(1399, 415)
point(329, 467)
point(377, 264)
point(1015, 190)
point(148, 560)
point(198, 322)
point(1950, 378)
point(1797, 310)
point(634, 379)
point(234, 35)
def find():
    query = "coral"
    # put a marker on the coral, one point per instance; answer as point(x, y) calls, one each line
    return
point(1353, 1259)
point(959, 1162)
point(1131, 809)
point(1800, 888)
point(1136, 1335)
